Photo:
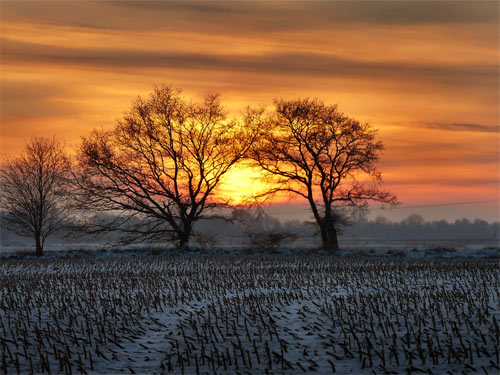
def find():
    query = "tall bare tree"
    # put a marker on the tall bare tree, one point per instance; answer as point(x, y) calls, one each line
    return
point(313, 150)
point(33, 190)
point(161, 164)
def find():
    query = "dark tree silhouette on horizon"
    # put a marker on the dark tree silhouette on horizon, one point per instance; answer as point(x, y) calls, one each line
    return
point(313, 150)
point(33, 191)
point(161, 164)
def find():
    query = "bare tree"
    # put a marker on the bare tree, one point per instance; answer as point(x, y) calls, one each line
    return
point(161, 164)
point(33, 190)
point(312, 150)
point(264, 232)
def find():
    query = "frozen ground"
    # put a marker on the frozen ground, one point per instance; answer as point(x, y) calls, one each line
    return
point(249, 315)
point(240, 245)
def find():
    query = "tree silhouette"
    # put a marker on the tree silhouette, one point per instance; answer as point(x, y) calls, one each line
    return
point(162, 164)
point(313, 150)
point(33, 191)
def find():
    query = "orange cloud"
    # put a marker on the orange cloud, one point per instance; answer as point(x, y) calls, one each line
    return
point(426, 75)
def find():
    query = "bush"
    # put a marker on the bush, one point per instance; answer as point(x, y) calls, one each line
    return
point(206, 240)
point(270, 240)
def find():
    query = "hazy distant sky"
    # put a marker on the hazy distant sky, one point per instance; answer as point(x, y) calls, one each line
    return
point(425, 73)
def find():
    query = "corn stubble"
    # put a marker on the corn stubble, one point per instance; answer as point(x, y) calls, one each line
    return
point(244, 315)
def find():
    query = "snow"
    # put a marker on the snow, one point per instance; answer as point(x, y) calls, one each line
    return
point(238, 245)
point(249, 314)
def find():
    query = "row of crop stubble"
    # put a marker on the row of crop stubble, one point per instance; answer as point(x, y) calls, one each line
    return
point(249, 315)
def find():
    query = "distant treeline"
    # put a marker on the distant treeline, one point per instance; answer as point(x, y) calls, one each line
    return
point(412, 228)
point(415, 227)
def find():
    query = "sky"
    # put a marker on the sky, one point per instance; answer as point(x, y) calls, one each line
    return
point(424, 73)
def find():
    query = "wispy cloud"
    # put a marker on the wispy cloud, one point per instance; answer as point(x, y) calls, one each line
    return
point(462, 127)
point(424, 72)
point(249, 16)
point(443, 181)
point(293, 63)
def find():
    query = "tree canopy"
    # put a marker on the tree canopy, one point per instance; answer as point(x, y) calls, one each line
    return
point(162, 163)
point(313, 150)
point(33, 193)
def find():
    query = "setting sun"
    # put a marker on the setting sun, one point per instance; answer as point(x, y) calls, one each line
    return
point(249, 187)
point(425, 76)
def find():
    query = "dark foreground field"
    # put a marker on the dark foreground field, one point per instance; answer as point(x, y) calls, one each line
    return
point(249, 315)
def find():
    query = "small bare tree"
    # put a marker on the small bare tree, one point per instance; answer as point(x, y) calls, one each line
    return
point(312, 150)
point(161, 164)
point(264, 232)
point(33, 190)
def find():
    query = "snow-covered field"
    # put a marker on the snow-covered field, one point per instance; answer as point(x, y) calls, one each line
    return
point(249, 315)
point(238, 245)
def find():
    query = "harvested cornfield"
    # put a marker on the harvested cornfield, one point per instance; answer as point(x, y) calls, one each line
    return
point(249, 315)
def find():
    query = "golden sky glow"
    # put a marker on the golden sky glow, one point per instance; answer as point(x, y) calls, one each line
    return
point(424, 73)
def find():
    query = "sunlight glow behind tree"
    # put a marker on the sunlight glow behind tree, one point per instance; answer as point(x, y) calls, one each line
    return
point(313, 150)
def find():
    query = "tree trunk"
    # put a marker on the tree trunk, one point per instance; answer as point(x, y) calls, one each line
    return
point(184, 236)
point(329, 235)
point(183, 240)
point(38, 246)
